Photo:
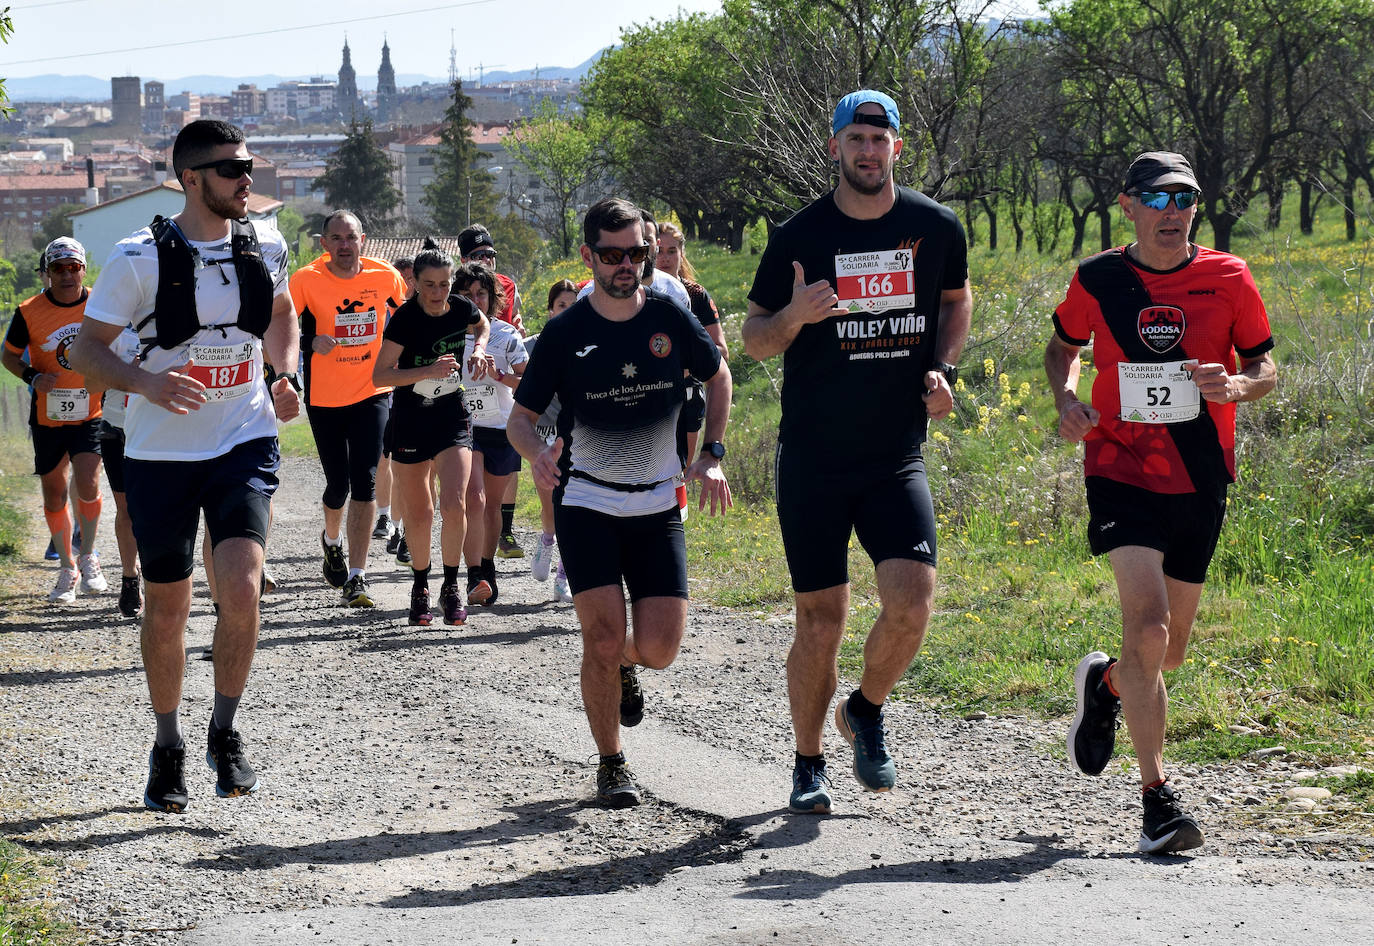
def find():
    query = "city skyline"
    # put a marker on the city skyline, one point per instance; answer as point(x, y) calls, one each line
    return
point(152, 40)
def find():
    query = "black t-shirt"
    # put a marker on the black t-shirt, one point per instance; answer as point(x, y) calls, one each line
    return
point(424, 338)
point(621, 386)
point(853, 384)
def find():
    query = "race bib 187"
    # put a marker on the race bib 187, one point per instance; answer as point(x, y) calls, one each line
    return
point(1162, 393)
point(225, 370)
point(875, 282)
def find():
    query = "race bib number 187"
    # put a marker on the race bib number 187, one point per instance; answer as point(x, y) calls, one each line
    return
point(875, 282)
point(225, 370)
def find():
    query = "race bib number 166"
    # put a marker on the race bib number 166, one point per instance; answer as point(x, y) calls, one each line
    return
point(875, 282)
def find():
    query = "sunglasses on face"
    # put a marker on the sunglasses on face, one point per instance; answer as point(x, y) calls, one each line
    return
point(482, 254)
point(231, 168)
point(1159, 200)
point(69, 267)
point(614, 255)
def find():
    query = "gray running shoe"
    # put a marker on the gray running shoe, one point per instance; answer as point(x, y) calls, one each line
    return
point(873, 767)
point(615, 785)
point(810, 789)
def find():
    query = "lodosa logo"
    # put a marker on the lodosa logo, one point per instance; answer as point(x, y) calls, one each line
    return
point(1161, 327)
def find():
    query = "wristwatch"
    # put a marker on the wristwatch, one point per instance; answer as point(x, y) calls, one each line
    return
point(715, 448)
point(951, 372)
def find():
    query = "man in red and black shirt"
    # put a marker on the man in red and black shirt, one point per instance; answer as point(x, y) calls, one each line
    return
point(1179, 335)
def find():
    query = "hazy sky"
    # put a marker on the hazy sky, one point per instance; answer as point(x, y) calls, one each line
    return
point(165, 40)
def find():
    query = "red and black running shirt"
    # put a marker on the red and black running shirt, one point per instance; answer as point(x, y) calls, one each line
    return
point(1207, 309)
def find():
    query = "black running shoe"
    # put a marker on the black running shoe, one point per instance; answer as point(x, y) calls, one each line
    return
point(224, 753)
point(420, 615)
point(1167, 828)
point(383, 527)
point(615, 785)
point(631, 697)
point(335, 565)
point(130, 596)
point(402, 552)
point(393, 541)
point(455, 615)
point(166, 790)
point(1092, 734)
point(356, 594)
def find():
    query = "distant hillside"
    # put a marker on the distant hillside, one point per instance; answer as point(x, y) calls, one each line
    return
point(61, 88)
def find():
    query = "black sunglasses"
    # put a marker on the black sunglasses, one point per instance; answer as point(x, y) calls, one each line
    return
point(614, 255)
point(232, 168)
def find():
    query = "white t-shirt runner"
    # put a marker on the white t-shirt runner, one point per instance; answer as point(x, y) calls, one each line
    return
point(489, 401)
point(226, 359)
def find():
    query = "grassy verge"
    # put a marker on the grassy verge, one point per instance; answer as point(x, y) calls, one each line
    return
point(27, 915)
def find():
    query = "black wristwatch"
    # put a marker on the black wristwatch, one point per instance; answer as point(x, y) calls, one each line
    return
point(951, 372)
point(715, 448)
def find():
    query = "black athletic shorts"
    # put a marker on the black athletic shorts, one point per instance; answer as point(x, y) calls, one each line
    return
point(648, 552)
point(499, 458)
point(166, 498)
point(112, 454)
point(349, 442)
point(887, 507)
point(1184, 526)
point(51, 444)
point(415, 439)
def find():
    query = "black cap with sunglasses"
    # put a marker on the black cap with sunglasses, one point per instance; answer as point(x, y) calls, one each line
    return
point(1155, 169)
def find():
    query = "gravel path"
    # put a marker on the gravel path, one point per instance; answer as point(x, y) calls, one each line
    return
point(415, 768)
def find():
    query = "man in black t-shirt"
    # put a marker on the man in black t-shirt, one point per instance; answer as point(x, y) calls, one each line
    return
point(865, 292)
point(617, 361)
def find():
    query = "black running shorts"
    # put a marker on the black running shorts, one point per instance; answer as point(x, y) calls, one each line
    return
point(417, 436)
point(112, 455)
point(1183, 526)
point(51, 444)
point(499, 458)
point(166, 499)
point(888, 508)
point(349, 442)
point(648, 552)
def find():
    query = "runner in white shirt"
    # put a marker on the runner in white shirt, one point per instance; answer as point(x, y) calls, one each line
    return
point(200, 428)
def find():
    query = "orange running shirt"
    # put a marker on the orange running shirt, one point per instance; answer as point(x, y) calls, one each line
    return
point(47, 329)
point(353, 312)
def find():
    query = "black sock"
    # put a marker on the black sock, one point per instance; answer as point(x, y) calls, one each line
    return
point(861, 708)
point(451, 575)
point(474, 574)
point(421, 582)
point(489, 570)
point(507, 518)
point(811, 759)
point(617, 759)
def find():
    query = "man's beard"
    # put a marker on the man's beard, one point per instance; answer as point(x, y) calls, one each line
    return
point(608, 286)
point(868, 190)
point(228, 207)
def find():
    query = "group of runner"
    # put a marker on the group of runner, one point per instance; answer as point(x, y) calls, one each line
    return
point(864, 290)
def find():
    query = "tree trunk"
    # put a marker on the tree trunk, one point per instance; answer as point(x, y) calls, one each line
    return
point(1274, 193)
point(1349, 194)
point(1104, 217)
point(1222, 226)
point(1080, 233)
point(990, 209)
point(1306, 211)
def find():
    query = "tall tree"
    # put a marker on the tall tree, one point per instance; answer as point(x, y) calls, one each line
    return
point(562, 152)
point(462, 190)
point(6, 30)
point(358, 177)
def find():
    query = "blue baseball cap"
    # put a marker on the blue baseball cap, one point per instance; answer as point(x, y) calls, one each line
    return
point(846, 112)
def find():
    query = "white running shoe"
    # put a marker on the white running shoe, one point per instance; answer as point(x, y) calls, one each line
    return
point(64, 592)
point(92, 578)
point(543, 558)
point(561, 591)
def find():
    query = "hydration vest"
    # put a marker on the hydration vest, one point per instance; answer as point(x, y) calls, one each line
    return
point(174, 309)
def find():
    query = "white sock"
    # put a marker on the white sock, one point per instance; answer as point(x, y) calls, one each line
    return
point(384, 511)
point(354, 573)
point(334, 542)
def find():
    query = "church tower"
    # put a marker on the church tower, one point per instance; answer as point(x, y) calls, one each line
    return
point(386, 86)
point(348, 86)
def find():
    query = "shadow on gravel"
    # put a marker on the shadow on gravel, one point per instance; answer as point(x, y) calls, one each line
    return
point(536, 818)
point(98, 839)
point(45, 618)
point(800, 884)
point(458, 637)
point(28, 678)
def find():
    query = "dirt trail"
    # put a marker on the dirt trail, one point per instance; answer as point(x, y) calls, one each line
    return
point(430, 785)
